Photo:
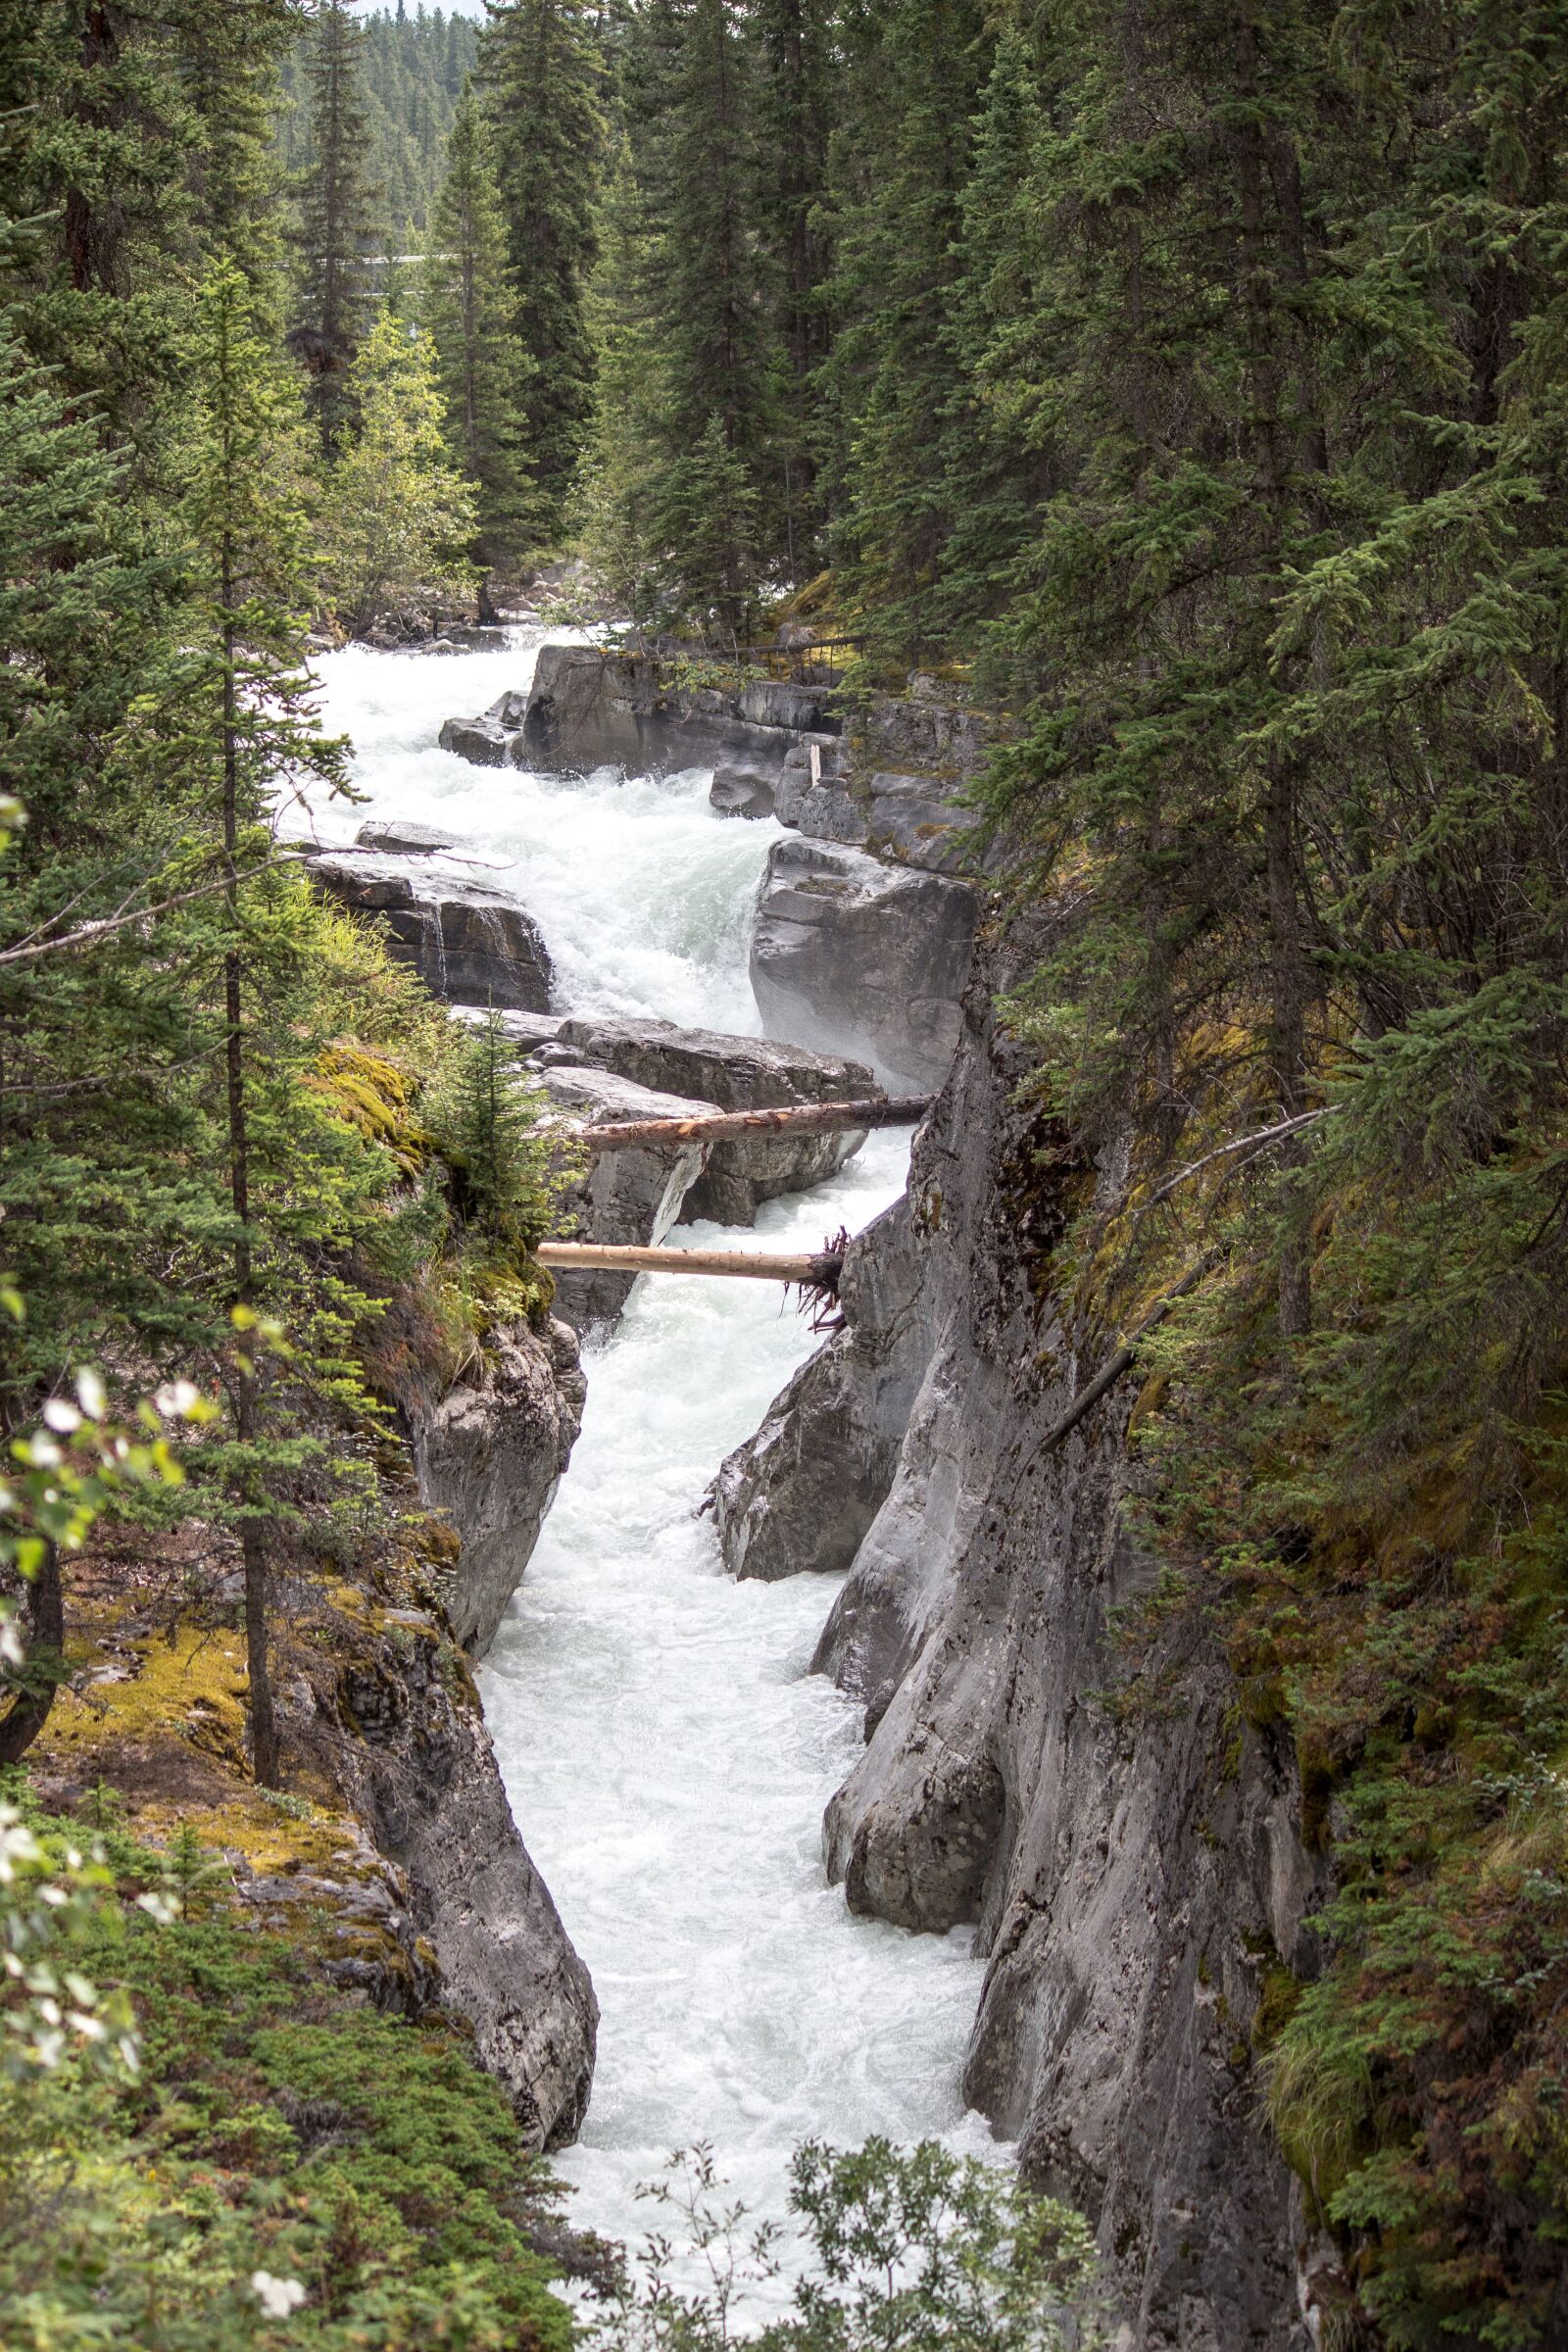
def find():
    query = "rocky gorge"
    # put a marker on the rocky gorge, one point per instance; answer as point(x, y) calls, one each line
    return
point(1127, 1876)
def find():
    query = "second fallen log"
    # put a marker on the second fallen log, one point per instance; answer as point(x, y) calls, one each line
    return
point(818, 1271)
point(796, 1118)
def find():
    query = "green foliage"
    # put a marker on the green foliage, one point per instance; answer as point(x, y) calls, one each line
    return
point(338, 230)
point(485, 1122)
point(413, 68)
point(905, 2246)
point(481, 368)
point(398, 512)
point(282, 2154)
point(542, 71)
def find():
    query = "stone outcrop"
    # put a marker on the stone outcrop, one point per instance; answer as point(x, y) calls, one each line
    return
point(471, 945)
point(401, 837)
point(422, 1772)
point(803, 1492)
point(1126, 1848)
point(851, 955)
point(621, 1195)
point(489, 1454)
point(486, 741)
point(591, 707)
point(731, 1073)
point(408, 1743)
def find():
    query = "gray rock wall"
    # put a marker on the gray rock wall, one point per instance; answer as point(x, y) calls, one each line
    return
point(803, 1492)
point(489, 1454)
point(420, 1770)
point(851, 955)
point(1129, 1866)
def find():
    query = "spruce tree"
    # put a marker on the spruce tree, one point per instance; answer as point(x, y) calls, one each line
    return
point(337, 220)
point(796, 96)
point(398, 514)
point(541, 75)
point(481, 369)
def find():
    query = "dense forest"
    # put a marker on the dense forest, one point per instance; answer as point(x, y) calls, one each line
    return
point(1183, 385)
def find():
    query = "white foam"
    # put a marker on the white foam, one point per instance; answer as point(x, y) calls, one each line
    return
point(666, 1754)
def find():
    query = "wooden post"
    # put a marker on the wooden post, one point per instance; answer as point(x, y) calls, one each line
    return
point(819, 1271)
point(796, 1118)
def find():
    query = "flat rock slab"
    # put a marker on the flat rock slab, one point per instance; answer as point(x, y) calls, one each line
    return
point(400, 837)
point(852, 955)
point(733, 1074)
point(471, 945)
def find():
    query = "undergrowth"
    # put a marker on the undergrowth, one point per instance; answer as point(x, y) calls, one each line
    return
point(286, 2166)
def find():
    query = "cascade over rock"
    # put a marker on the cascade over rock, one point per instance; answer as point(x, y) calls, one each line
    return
point(622, 1196)
point(1129, 1876)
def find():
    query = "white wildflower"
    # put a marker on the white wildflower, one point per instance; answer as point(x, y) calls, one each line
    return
point(278, 2297)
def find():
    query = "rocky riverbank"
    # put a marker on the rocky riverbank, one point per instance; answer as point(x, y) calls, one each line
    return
point(1126, 1844)
point(865, 922)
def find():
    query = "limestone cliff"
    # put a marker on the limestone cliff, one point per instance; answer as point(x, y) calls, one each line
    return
point(1126, 1848)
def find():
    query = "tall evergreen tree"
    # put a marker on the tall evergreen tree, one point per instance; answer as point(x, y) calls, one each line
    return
point(796, 45)
point(398, 514)
point(338, 226)
point(542, 78)
point(481, 368)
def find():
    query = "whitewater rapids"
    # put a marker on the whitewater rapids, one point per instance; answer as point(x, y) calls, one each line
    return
point(667, 1755)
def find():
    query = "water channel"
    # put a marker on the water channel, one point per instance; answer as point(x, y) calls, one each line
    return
point(667, 1755)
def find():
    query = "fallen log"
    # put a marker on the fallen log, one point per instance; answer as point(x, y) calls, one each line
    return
point(796, 1118)
point(816, 1272)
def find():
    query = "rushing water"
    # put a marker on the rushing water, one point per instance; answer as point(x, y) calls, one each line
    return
point(666, 1754)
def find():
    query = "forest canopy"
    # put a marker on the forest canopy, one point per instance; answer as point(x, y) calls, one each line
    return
point(1180, 384)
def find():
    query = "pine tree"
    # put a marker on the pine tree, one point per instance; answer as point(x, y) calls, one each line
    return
point(541, 76)
point(398, 514)
point(337, 227)
point(481, 368)
point(691, 290)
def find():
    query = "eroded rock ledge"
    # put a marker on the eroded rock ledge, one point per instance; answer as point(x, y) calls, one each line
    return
point(1131, 1868)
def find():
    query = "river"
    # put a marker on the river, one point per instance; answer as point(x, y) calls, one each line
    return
point(667, 1755)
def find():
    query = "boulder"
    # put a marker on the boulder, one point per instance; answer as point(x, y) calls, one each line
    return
point(590, 706)
point(471, 945)
point(803, 1493)
point(732, 1073)
point(851, 955)
point(743, 787)
point(400, 837)
point(621, 1195)
point(914, 821)
point(488, 741)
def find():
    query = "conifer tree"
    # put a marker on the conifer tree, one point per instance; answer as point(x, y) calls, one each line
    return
point(337, 223)
point(795, 106)
point(542, 74)
point(481, 368)
point(398, 514)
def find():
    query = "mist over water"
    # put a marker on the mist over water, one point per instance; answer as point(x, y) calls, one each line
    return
point(667, 1755)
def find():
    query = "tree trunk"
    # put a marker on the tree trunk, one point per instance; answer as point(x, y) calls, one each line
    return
point(30, 1709)
point(819, 1272)
point(253, 1539)
point(803, 1119)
